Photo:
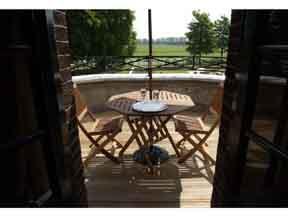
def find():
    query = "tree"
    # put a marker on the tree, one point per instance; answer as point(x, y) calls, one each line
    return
point(222, 27)
point(201, 38)
point(97, 33)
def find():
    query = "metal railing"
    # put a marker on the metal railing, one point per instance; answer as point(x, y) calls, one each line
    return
point(139, 64)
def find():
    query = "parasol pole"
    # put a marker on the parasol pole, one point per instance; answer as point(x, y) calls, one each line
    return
point(150, 54)
point(150, 89)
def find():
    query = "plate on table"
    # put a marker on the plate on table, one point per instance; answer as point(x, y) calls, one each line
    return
point(149, 106)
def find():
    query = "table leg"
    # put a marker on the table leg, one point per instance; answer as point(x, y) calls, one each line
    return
point(134, 136)
point(159, 129)
point(163, 125)
point(140, 125)
point(155, 131)
point(147, 143)
point(149, 132)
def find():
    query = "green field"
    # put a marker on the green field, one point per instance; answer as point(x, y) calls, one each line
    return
point(166, 50)
point(161, 50)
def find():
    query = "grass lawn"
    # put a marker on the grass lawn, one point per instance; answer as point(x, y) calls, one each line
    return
point(167, 50)
point(161, 50)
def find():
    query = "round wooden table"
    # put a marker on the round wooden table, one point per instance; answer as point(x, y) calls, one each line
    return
point(148, 128)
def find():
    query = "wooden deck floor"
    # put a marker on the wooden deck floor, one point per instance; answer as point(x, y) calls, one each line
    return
point(128, 185)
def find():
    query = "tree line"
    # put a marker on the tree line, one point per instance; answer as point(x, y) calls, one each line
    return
point(165, 40)
point(204, 36)
point(95, 34)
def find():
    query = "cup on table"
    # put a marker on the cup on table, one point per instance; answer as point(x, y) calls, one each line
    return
point(156, 94)
point(143, 93)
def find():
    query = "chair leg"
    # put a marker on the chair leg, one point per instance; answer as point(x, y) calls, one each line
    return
point(93, 151)
point(180, 142)
point(112, 150)
point(205, 154)
point(112, 137)
point(185, 135)
point(125, 147)
point(97, 140)
point(97, 148)
point(192, 151)
point(119, 145)
point(105, 152)
point(199, 139)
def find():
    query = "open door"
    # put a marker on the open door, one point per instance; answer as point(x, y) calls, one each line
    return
point(25, 177)
point(40, 157)
point(252, 157)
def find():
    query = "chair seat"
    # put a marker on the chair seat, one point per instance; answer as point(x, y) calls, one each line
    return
point(189, 124)
point(108, 125)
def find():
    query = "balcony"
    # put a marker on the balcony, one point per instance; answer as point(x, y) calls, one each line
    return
point(128, 184)
point(176, 185)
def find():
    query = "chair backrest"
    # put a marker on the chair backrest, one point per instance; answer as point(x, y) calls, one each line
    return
point(81, 111)
point(216, 107)
point(81, 106)
point(216, 103)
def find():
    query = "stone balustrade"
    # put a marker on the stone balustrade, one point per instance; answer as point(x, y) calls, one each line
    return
point(97, 88)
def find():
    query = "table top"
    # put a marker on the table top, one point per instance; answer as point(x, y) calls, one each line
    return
point(176, 102)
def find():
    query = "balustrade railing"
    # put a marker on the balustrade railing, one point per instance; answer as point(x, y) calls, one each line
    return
point(139, 64)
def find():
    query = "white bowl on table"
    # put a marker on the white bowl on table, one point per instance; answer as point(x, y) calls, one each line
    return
point(149, 106)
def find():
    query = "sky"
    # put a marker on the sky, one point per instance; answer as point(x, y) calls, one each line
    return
point(170, 23)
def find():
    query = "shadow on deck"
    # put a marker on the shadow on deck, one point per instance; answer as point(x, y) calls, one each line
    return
point(128, 184)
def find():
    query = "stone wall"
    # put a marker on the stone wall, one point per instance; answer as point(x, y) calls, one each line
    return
point(98, 88)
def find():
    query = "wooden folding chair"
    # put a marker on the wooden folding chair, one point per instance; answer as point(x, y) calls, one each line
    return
point(105, 129)
point(192, 128)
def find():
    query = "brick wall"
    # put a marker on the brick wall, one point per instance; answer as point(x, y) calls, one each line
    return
point(72, 151)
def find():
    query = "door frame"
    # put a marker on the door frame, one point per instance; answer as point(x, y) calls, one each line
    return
point(49, 98)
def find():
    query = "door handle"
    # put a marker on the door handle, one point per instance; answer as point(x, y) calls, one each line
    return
point(42, 200)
